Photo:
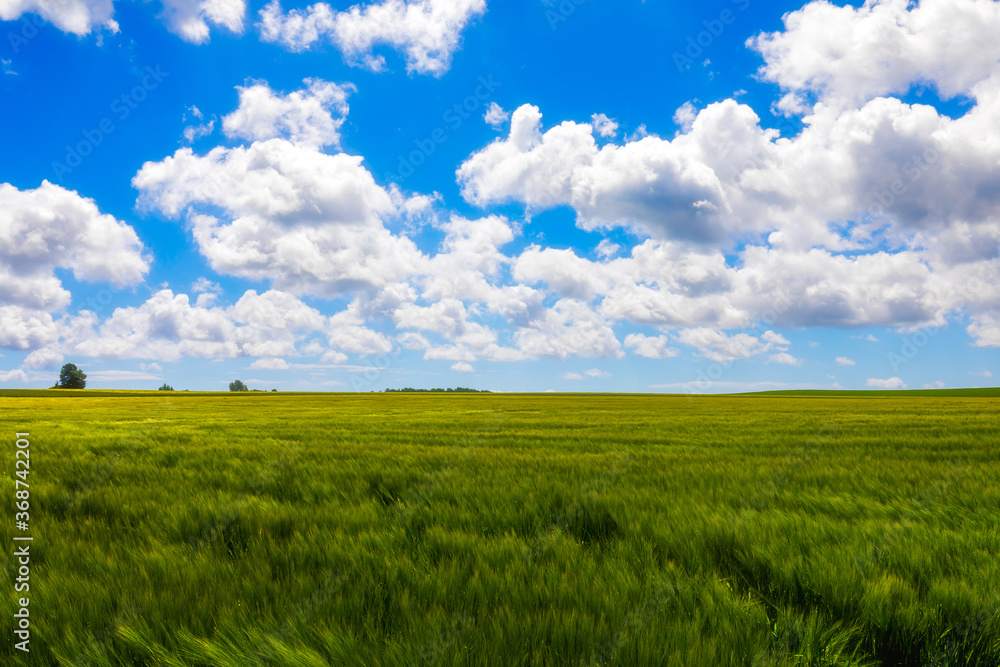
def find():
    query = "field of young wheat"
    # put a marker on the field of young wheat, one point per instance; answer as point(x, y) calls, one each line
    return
point(426, 529)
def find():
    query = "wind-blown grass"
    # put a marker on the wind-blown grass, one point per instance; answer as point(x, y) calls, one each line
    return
point(422, 529)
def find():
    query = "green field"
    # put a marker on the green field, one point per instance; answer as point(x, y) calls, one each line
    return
point(422, 529)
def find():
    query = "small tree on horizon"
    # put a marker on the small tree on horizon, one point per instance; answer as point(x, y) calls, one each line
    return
point(237, 386)
point(71, 377)
point(166, 387)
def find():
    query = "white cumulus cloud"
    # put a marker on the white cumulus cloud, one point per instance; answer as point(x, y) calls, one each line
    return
point(427, 32)
point(51, 228)
point(888, 383)
point(849, 55)
point(604, 126)
point(43, 359)
point(496, 116)
point(785, 359)
point(270, 364)
point(190, 19)
point(311, 117)
point(651, 347)
point(717, 346)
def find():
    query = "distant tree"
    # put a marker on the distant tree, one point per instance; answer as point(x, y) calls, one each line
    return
point(166, 387)
point(274, 390)
point(464, 390)
point(238, 386)
point(71, 377)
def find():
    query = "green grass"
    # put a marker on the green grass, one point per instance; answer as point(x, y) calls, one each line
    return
point(422, 529)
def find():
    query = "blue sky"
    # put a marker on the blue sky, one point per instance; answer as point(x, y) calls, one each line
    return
point(518, 196)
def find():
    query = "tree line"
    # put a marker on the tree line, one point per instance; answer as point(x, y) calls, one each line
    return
point(71, 377)
point(456, 390)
